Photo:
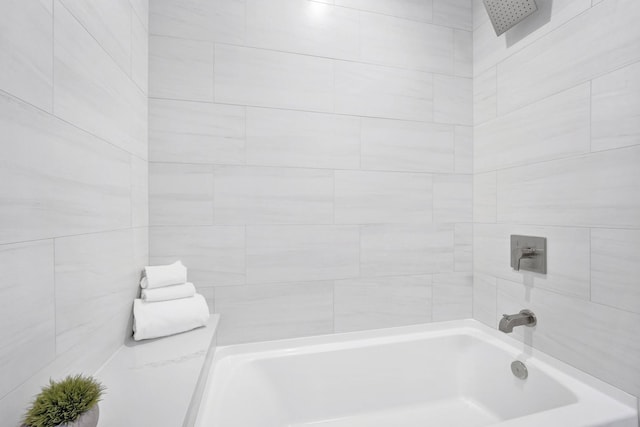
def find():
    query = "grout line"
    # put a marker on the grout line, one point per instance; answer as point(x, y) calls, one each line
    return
point(360, 143)
point(307, 168)
point(358, 61)
point(575, 156)
point(64, 236)
point(55, 306)
point(302, 110)
point(245, 228)
point(333, 306)
point(546, 97)
point(131, 196)
point(496, 204)
point(53, 61)
point(102, 48)
point(328, 224)
point(212, 171)
point(360, 251)
point(139, 17)
point(131, 53)
point(563, 295)
point(497, 110)
point(333, 205)
point(590, 265)
point(61, 120)
point(213, 74)
point(591, 116)
point(540, 225)
point(496, 312)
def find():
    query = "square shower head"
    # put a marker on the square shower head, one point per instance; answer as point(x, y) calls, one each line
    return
point(504, 14)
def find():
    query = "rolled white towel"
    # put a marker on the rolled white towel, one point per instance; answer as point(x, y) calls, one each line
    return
point(159, 319)
point(168, 293)
point(164, 275)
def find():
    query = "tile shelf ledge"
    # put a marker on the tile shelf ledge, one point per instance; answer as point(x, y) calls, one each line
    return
point(157, 382)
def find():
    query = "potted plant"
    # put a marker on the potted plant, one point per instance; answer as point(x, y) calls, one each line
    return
point(72, 402)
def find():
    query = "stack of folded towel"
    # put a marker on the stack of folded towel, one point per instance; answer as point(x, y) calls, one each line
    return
point(168, 304)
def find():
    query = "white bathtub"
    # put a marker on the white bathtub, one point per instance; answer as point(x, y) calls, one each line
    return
point(449, 374)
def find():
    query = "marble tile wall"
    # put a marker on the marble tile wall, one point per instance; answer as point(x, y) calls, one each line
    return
point(556, 154)
point(74, 185)
point(311, 162)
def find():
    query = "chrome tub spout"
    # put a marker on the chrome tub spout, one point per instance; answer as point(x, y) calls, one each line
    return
point(509, 321)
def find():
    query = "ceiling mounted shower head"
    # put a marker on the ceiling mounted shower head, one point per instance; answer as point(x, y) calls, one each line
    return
point(504, 14)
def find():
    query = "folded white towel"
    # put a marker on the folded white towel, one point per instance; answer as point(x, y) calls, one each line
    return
point(167, 293)
point(164, 275)
point(159, 319)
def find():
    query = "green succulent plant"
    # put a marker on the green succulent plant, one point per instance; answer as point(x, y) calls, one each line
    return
point(64, 401)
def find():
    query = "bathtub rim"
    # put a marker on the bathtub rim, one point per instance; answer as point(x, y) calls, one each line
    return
point(358, 339)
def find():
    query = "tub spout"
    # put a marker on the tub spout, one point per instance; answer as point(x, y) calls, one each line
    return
point(509, 321)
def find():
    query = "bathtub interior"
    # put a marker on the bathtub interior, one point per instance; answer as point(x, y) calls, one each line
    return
point(457, 379)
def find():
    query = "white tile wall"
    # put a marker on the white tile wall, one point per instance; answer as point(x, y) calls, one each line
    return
point(305, 27)
point(403, 43)
point(464, 149)
point(302, 139)
point(26, 51)
point(196, 132)
point(213, 255)
point(615, 268)
point(293, 253)
point(420, 10)
point(141, 10)
point(463, 247)
point(70, 182)
point(214, 20)
point(95, 278)
point(452, 198)
point(490, 50)
point(615, 107)
point(555, 127)
point(180, 194)
point(139, 192)
point(556, 155)
point(453, 13)
point(452, 296)
point(273, 79)
point(321, 137)
point(182, 69)
point(73, 178)
point(267, 195)
point(593, 337)
point(463, 53)
point(379, 91)
point(485, 299)
point(452, 100)
point(109, 23)
point(382, 302)
point(396, 145)
point(479, 17)
point(485, 96)
point(567, 257)
point(383, 197)
point(389, 250)
point(27, 311)
point(139, 53)
point(612, 37)
point(92, 91)
point(267, 312)
point(600, 189)
point(484, 197)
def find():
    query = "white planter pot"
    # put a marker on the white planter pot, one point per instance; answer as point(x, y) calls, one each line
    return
point(88, 419)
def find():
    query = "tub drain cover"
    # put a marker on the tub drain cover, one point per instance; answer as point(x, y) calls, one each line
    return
point(519, 370)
